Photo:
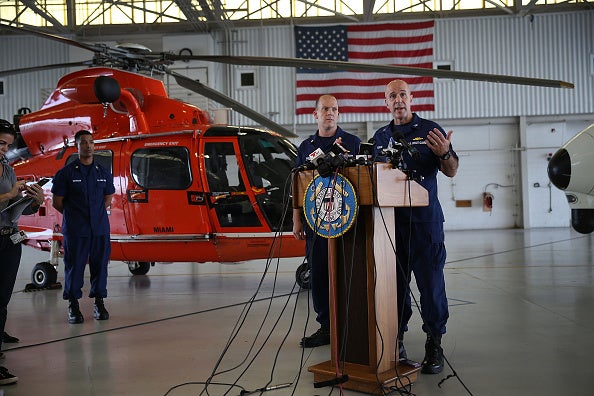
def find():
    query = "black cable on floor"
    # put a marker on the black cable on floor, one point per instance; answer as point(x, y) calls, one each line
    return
point(149, 322)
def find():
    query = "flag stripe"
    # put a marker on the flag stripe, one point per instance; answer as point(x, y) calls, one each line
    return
point(391, 54)
point(364, 96)
point(390, 40)
point(406, 44)
point(356, 79)
point(362, 109)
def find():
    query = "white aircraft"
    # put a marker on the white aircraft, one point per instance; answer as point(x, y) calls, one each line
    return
point(571, 169)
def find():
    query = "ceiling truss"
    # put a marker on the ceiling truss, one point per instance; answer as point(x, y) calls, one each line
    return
point(90, 17)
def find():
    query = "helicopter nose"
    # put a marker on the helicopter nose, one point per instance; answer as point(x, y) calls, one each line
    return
point(559, 169)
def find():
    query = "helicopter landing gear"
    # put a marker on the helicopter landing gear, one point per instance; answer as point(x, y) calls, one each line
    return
point(302, 276)
point(139, 267)
point(44, 275)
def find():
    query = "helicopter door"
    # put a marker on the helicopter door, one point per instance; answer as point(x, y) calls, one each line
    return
point(159, 191)
point(233, 204)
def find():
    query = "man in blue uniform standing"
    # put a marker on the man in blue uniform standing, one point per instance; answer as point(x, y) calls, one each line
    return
point(420, 244)
point(82, 191)
point(326, 115)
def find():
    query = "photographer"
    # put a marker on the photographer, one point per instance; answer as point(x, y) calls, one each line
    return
point(10, 240)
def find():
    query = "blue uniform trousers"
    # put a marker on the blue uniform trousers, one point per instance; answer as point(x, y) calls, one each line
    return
point(79, 250)
point(420, 249)
point(317, 257)
point(10, 258)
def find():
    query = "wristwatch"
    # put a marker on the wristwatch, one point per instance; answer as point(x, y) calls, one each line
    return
point(446, 156)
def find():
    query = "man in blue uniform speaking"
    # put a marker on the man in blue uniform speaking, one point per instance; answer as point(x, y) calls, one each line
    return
point(420, 244)
point(82, 191)
point(326, 115)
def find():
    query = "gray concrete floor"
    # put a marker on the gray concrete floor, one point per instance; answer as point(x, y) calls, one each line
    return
point(521, 323)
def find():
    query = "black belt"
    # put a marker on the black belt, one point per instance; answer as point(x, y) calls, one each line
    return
point(7, 231)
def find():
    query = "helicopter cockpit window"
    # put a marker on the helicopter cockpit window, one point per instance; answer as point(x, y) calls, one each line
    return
point(227, 189)
point(268, 162)
point(103, 157)
point(161, 168)
point(220, 161)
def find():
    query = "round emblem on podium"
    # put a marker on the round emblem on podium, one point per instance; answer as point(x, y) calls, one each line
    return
point(330, 205)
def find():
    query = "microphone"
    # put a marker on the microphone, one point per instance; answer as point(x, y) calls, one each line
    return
point(338, 148)
point(399, 138)
point(366, 149)
point(315, 155)
point(311, 160)
point(336, 158)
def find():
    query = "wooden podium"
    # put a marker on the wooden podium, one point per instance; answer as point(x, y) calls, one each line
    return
point(362, 272)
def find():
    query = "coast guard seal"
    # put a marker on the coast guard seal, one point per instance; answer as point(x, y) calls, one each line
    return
point(330, 205)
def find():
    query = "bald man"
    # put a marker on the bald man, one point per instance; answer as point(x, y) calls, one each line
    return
point(420, 247)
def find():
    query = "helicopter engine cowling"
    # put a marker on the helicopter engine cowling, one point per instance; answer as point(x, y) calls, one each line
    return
point(140, 105)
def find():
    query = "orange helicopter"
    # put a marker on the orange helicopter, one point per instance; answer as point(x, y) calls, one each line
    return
point(186, 189)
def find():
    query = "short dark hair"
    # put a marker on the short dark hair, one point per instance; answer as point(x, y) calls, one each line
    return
point(80, 133)
point(320, 97)
point(7, 127)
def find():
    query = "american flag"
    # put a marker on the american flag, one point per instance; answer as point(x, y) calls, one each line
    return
point(404, 44)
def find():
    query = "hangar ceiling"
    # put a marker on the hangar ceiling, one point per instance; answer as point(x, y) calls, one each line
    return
point(95, 17)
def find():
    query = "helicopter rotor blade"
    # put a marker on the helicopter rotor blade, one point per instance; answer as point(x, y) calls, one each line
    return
point(4, 73)
point(210, 93)
point(64, 40)
point(391, 69)
point(127, 53)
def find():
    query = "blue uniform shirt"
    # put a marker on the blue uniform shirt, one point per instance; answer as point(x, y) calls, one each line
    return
point(84, 188)
point(426, 165)
point(315, 141)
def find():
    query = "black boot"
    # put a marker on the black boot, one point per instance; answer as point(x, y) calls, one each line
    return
point(319, 338)
point(8, 338)
point(433, 361)
point(74, 315)
point(100, 313)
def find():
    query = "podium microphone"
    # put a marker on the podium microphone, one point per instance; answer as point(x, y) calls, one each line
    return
point(366, 149)
point(399, 138)
point(311, 160)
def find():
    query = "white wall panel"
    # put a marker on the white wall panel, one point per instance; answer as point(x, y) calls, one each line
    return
point(25, 90)
point(489, 160)
point(550, 46)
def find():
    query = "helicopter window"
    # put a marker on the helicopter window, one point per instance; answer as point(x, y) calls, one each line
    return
point(103, 157)
point(161, 168)
point(268, 162)
point(221, 167)
point(232, 206)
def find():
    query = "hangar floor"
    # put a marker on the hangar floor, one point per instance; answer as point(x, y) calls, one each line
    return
point(521, 322)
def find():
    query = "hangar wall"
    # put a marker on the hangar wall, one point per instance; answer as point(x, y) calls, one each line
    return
point(503, 133)
point(557, 46)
